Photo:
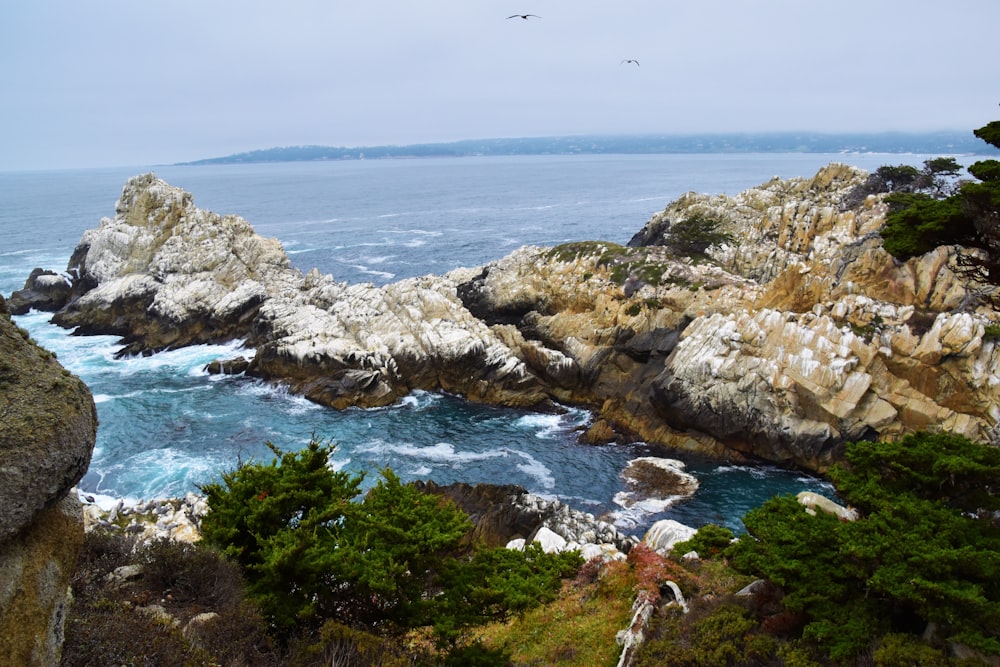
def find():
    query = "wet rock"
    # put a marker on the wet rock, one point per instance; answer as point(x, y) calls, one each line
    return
point(43, 290)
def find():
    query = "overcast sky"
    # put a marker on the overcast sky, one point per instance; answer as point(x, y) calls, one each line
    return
point(133, 83)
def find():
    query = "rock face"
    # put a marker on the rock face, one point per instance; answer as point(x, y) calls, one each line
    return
point(47, 430)
point(799, 335)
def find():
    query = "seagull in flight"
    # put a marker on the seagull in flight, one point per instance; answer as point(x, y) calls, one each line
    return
point(630, 60)
point(523, 16)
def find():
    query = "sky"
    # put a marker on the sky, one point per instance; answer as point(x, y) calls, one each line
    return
point(112, 83)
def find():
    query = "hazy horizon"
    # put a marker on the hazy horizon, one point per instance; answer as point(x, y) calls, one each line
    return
point(116, 83)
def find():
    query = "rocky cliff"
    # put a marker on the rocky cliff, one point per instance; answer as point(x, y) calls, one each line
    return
point(797, 335)
point(48, 426)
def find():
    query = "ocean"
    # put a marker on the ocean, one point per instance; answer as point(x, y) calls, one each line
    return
point(166, 426)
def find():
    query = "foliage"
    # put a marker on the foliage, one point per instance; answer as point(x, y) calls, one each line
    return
point(898, 650)
point(708, 542)
point(391, 561)
point(577, 628)
point(932, 212)
point(917, 223)
point(724, 637)
point(696, 234)
point(923, 552)
point(937, 467)
point(339, 644)
point(390, 551)
point(281, 523)
point(111, 623)
point(496, 583)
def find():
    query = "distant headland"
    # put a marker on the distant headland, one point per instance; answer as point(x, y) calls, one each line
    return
point(935, 143)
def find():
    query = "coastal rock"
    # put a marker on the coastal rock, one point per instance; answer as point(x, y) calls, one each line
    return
point(665, 533)
point(652, 485)
point(43, 290)
point(163, 273)
point(798, 335)
point(36, 571)
point(48, 426)
point(47, 431)
point(176, 519)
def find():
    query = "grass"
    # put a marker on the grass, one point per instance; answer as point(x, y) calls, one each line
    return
point(579, 628)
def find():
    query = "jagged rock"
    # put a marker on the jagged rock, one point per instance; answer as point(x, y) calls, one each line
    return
point(797, 336)
point(43, 290)
point(656, 483)
point(233, 366)
point(507, 515)
point(177, 519)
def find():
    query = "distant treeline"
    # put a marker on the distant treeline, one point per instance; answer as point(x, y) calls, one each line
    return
point(934, 143)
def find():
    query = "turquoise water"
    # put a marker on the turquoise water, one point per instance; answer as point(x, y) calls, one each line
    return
point(167, 426)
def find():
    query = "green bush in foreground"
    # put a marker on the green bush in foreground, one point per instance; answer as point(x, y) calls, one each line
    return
point(925, 554)
point(392, 560)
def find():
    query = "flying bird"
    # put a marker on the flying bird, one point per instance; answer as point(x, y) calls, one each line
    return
point(523, 16)
point(630, 61)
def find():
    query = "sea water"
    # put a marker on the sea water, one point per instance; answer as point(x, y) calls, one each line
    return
point(166, 426)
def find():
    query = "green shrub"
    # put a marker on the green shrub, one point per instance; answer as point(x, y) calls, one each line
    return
point(281, 522)
point(918, 223)
point(696, 234)
point(709, 541)
point(924, 550)
point(393, 560)
point(896, 650)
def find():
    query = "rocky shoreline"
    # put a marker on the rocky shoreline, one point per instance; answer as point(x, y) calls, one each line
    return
point(797, 336)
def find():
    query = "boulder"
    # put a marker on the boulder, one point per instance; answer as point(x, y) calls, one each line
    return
point(36, 571)
point(47, 431)
point(48, 426)
point(664, 534)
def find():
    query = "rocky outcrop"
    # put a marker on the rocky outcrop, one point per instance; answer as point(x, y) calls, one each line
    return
point(801, 334)
point(798, 335)
point(43, 290)
point(503, 514)
point(47, 430)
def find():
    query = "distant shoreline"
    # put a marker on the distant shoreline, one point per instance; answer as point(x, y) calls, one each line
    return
point(931, 143)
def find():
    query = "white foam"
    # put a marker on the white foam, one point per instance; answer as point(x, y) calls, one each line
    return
point(547, 426)
point(536, 470)
point(441, 452)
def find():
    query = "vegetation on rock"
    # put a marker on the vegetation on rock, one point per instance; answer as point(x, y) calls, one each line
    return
point(925, 211)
